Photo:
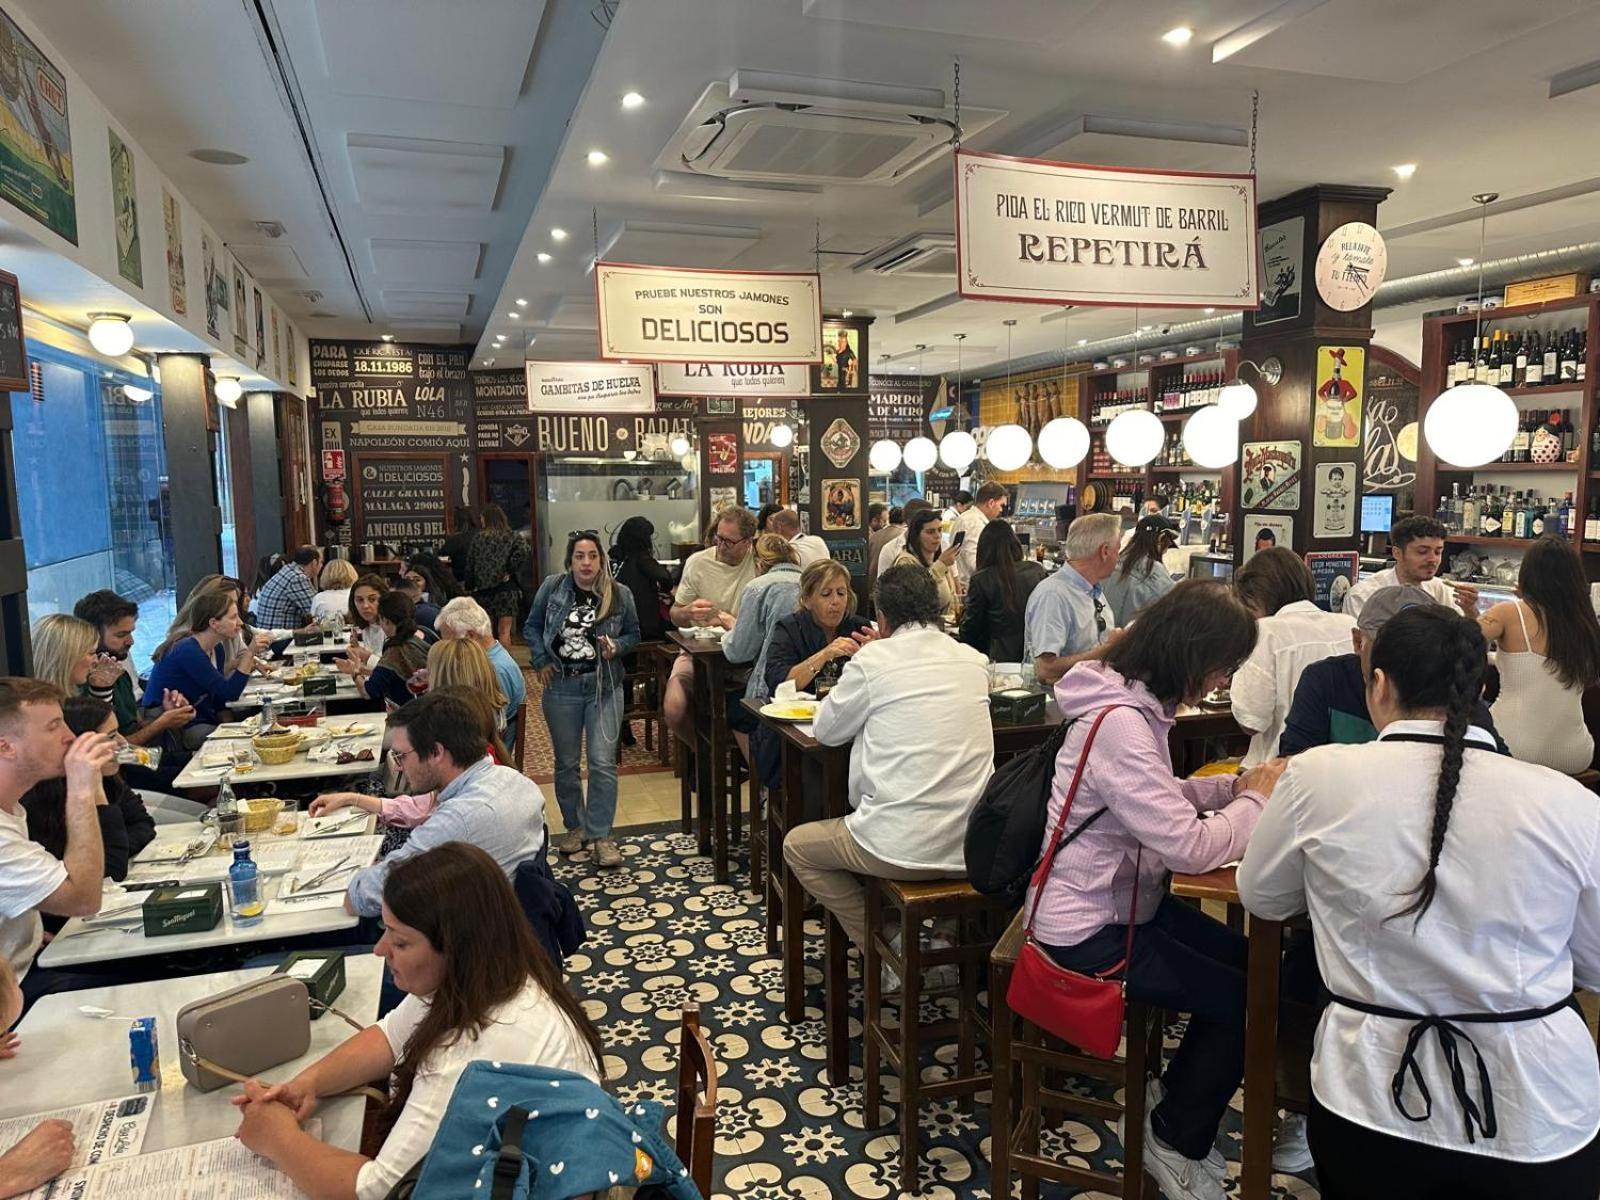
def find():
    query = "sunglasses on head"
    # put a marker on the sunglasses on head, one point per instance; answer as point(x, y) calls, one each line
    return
point(574, 534)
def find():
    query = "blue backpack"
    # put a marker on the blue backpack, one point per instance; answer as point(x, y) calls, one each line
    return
point(516, 1132)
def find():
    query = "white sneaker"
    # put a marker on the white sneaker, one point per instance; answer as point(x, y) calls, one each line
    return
point(1180, 1177)
point(1291, 1152)
point(1154, 1093)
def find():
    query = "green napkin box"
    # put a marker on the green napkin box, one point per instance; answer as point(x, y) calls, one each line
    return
point(1017, 706)
point(190, 908)
point(322, 971)
point(320, 685)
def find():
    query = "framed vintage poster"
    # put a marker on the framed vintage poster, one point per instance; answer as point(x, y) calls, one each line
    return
point(1282, 253)
point(841, 369)
point(723, 497)
point(1333, 514)
point(1332, 576)
point(241, 310)
point(1269, 475)
point(216, 286)
point(841, 504)
point(177, 281)
point(1265, 532)
point(1341, 374)
point(722, 453)
point(261, 329)
point(36, 171)
point(125, 211)
point(13, 351)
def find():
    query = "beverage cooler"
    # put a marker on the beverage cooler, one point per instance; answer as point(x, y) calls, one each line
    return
point(602, 493)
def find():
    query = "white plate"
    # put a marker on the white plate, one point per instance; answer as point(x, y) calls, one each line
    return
point(791, 710)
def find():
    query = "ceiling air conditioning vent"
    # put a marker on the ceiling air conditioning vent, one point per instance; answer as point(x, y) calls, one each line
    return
point(918, 256)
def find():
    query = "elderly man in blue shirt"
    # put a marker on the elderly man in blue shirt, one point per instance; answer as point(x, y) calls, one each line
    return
point(438, 742)
point(1068, 618)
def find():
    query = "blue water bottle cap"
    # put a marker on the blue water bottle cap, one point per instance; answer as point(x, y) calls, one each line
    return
point(241, 849)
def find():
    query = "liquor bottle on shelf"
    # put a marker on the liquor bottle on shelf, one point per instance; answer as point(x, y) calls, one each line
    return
point(1569, 357)
point(1591, 524)
point(1552, 361)
point(1564, 516)
point(1495, 359)
point(1519, 364)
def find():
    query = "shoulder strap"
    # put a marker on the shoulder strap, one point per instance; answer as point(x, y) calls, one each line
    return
point(1522, 621)
point(1042, 871)
point(508, 1164)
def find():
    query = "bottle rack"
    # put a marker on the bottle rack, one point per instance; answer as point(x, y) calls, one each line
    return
point(1580, 475)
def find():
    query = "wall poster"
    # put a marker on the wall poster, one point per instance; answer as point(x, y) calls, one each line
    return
point(13, 351)
point(291, 353)
point(842, 504)
point(1282, 253)
point(402, 497)
point(722, 453)
point(35, 137)
point(1332, 576)
point(261, 329)
point(1389, 439)
point(676, 314)
point(177, 280)
point(1334, 513)
point(125, 211)
point(733, 379)
point(1265, 532)
point(841, 359)
point(216, 286)
point(241, 305)
point(277, 348)
point(1341, 371)
point(1269, 475)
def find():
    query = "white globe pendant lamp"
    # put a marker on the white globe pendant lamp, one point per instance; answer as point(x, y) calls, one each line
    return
point(1473, 423)
point(1237, 399)
point(110, 334)
point(1009, 447)
point(782, 436)
point(884, 456)
point(957, 450)
point(1064, 442)
point(679, 445)
point(228, 390)
point(1134, 438)
point(921, 454)
point(1211, 436)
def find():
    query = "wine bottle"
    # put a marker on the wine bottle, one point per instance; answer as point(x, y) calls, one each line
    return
point(1569, 358)
point(1552, 361)
point(1508, 364)
point(1591, 524)
point(1534, 375)
point(1519, 366)
point(1583, 356)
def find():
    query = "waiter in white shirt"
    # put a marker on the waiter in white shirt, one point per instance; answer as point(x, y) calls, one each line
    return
point(808, 547)
point(986, 506)
point(1417, 543)
point(1455, 897)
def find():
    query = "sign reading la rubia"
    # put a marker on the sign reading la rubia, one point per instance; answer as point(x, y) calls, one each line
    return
point(1066, 233)
point(682, 315)
point(609, 387)
point(733, 379)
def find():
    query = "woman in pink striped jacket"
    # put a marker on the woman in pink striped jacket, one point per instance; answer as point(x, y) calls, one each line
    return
point(1131, 823)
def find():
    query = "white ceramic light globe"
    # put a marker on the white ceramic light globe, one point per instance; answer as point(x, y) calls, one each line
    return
point(884, 456)
point(111, 335)
point(1134, 438)
point(1470, 425)
point(958, 449)
point(782, 436)
point(228, 390)
point(1064, 442)
point(679, 445)
point(1009, 447)
point(1237, 399)
point(921, 454)
point(1211, 436)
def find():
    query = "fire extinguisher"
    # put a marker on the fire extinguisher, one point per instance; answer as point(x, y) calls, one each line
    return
point(335, 503)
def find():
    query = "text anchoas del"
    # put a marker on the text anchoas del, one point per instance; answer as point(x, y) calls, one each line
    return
point(1105, 252)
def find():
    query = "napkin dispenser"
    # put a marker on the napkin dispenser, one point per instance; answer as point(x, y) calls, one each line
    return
point(308, 637)
point(1017, 706)
point(320, 685)
point(243, 1031)
point(187, 908)
point(322, 971)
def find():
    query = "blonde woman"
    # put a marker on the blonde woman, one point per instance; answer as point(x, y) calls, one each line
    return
point(578, 630)
point(64, 651)
point(333, 595)
point(458, 662)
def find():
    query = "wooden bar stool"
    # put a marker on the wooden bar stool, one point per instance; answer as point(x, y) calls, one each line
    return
point(643, 688)
point(975, 916)
point(1021, 1054)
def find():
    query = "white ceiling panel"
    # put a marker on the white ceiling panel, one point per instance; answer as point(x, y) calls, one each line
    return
point(425, 304)
point(420, 175)
point(398, 260)
point(420, 50)
point(679, 245)
point(270, 262)
point(561, 344)
point(577, 311)
point(425, 331)
point(1048, 20)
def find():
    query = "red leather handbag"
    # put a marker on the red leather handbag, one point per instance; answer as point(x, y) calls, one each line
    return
point(1083, 1010)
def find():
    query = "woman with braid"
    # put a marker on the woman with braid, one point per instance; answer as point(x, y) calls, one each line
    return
point(1455, 896)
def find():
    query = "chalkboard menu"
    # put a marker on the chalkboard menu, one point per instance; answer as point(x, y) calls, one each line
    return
point(402, 497)
point(13, 359)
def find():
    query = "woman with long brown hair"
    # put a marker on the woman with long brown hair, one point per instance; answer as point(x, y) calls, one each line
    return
point(479, 986)
point(494, 561)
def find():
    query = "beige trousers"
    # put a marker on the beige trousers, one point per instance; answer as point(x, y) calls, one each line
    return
point(828, 862)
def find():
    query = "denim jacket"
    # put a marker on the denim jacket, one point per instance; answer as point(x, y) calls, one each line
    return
point(548, 614)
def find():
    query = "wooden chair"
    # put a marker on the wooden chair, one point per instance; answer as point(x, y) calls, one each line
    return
point(1021, 1054)
point(519, 744)
point(643, 688)
point(697, 1099)
point(975, 917)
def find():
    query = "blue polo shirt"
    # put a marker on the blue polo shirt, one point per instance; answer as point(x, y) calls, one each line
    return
point(1061, 616)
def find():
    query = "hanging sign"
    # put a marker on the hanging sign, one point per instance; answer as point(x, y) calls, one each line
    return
point(733, 379)
point(613, 387)
point(1350, 266)
point(1066, 233)
point(672, 314)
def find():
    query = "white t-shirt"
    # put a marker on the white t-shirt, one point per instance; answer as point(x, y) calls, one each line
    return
point(28, 873)
point(808, 548)
point(331, 603)
point(706, 577)
point(1287, 642)
point(529, 1030)
point(1362, 592)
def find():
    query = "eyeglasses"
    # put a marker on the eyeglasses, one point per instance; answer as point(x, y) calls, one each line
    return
point(399, 756)
point(727, 543)
point(1100, 616)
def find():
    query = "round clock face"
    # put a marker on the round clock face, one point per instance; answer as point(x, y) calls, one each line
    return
point(1351, 265)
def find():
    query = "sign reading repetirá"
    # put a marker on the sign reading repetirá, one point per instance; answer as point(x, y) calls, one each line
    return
point(668, 314)
point(1065, 233)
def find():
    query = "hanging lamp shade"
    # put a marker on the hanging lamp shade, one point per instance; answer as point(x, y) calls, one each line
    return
point(1211, 436)
point(884, 456)
point(1064, 442)
point(1008, 447)
point(1134, 438)
point(958, 450)
point(1470, 425)
point(921, 454)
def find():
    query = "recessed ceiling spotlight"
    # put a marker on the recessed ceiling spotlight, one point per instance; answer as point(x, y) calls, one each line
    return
point(1083, 341)
point(543, 257)
point(1178, 37)
point(598, 158)
point(219, 158)
point(632, 100)
point(521, 303)
point(845, 314)
point(488, 362)
point(388, 337)
point(514, 315)
point(559, 235)
point(1465, 262)
point(1406, 170)
point(1209, 311)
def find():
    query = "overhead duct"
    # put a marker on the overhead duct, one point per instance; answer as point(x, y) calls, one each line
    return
point(1430, 285)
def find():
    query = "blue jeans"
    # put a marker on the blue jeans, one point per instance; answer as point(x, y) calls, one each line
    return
point(575, 715)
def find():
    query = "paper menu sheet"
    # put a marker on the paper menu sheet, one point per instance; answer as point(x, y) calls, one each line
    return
point(353, 853)
point(103, 1130)
point(218, 1170)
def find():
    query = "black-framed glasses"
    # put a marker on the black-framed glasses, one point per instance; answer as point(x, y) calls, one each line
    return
point(1100, 616)
point(728, 543)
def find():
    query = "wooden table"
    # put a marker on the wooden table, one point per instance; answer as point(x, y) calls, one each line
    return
point(1260, 1030)
point(67, 1058)
point(1195, 727)
point(194, 775)
point(711, 741)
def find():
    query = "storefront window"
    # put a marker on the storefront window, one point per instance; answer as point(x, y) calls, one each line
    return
point(224, 474)
point(92, 490)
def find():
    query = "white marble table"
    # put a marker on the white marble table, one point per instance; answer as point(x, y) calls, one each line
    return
point(197, 775)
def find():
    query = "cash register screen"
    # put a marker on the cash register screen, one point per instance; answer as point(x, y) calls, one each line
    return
point(1377, 513)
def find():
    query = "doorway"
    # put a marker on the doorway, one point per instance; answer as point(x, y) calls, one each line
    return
point(766, 480)
point(507, 480)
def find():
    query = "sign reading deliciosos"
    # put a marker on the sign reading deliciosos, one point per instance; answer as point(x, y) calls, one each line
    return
point(1064, 233)
point(572, 386)
point(669, 314)
point(733, 379)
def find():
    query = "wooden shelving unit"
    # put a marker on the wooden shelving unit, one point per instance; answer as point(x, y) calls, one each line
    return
point(1439, 338)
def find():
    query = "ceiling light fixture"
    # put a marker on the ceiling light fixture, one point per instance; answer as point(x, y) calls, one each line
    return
point(110, 333)
point(228, 390)
point(521, 303)
point(559, 235)
point(632, 100)
point(845, 314)
point(219, 158)
point(920, 454)
point(543, 257)
point(679, 445)
point(488, 362)
point(136, 394)
point(1406, 170)
point(598, 158)
point(1464, 262)
point(1135, 437)
point(388, 337)
point(514, 315)
point(1211, 436)
point(782, 436)
point(1178, 37)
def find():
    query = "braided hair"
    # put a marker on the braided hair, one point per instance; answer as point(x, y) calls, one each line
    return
point(1435, 659)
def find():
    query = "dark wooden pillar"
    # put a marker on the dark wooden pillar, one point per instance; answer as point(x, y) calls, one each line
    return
point(188, 429)
point(266, 500)
point(16, 651)
point(1300, 336)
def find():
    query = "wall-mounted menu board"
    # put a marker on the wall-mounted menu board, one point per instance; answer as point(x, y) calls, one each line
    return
point(13, 358)
point(402, 497)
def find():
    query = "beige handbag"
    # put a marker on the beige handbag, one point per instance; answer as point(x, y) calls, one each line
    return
point(243, 1031)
